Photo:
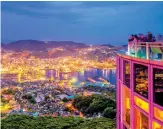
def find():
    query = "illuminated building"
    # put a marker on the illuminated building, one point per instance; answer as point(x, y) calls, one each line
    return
point(140, 87)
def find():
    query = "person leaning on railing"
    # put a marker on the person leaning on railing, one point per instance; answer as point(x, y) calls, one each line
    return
point(134, 39)
point(160, 37)
point(131, 38)
point(142, 38)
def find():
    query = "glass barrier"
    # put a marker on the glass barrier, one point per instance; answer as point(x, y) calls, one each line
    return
point(146, 50)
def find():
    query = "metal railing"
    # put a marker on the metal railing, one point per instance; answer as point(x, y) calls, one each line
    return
point(146, 50)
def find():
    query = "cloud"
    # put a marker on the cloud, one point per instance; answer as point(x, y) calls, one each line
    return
point(76, 12)
point(65, 4)
point(50, 9)
point(91, 21)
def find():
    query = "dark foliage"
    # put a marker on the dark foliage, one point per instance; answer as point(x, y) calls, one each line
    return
point(30, 98)
point(65, 99)
point(29, 122)
point(94, 104)
point(109, 112)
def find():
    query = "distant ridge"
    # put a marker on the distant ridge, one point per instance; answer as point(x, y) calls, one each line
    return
point(36, 45)
point(54, 49)
point(108, 45)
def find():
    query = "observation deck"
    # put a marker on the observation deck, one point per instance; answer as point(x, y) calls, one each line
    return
point(146, 50)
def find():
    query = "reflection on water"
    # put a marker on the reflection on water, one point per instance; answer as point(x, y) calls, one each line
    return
point(83, 76)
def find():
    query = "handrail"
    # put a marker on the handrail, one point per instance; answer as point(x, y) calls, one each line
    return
point(161, 42)
point(135, 46)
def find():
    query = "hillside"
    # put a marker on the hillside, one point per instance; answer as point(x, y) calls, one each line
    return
point(35, 45)
point(53, 49)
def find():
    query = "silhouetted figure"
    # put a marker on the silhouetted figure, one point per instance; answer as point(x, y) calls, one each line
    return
point(142, 38)
point(131, 38)
point(160, 37)
point(136, 38)
point(150, 37)
point(153, 39)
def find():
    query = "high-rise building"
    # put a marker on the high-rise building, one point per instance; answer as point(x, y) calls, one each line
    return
point(140, 86)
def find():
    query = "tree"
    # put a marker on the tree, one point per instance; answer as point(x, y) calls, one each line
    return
point(97, 123)
point(109, 112)
point(29, 122)
point(27, 96)
point(96, 107)
point(3, 114)
point(32, 100)
point(89, 105)
point(65, 99)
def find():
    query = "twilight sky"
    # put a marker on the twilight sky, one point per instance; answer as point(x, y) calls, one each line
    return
point(87, 22)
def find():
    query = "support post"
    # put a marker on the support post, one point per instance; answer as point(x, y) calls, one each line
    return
point(129, 49)
point(147, 50)
point(135, 49)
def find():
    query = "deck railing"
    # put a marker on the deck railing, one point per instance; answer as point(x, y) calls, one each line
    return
point(146, 50)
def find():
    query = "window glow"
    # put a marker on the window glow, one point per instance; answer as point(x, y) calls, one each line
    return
point(140, 120)
point(126, 106)
point(157, 126)
point(141, 103)
point(158, 114)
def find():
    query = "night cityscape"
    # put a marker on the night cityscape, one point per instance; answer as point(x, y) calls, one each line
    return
point(81, 65)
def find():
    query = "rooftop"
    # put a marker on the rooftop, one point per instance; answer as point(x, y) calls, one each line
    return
point(146, 50)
